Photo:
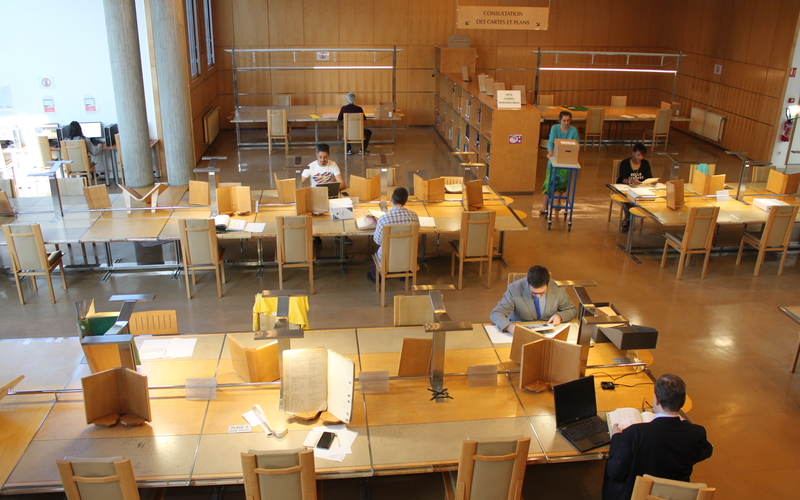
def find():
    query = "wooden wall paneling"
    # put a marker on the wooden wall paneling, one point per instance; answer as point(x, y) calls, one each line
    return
point(365, 81)
point(739, 28)
point(418, 80)
point(785, 31)
point(286, 24)
point(512, 38)
point(222, 14)
point(319, 30)
point(419, 56)
point(453, 59)
point(199, 141)
point(762, 35)
point(487, 59)
point(430, 23)
point(419, 109)
point(744, 76)
point(391, 22)
point(224, 82)
point(512, 58)
point(775, 83)
point(250, 23)
point(224, 59)
point(355, 22)
point(225, 103)
point(768, 110)
point(253, 81)
point(255, 100)
point(713, 30)
point(598, 22)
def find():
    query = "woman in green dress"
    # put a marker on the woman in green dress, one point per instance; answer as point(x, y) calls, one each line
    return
point(562, 131)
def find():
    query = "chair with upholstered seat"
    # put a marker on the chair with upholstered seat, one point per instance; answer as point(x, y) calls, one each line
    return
point(154, 322)
point(475, 244)
point(619, 101)
point(616, 197)
point(595, 122)
point(277, 128)
point(285, 474)
point(660, 128)
point(697, 238)
point(295, 246)
point(545, 100)
point(29, 257)
point(489, 470)
point(200, 251)
point(775, 237)
point(76, 152)
point(397, 257)
point(98, 478)
point(354, 129)
point(649, 487)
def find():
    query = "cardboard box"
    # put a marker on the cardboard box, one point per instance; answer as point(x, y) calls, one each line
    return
point(566, 151)
point(765, 203)
point(640, 193)
point(341, 208)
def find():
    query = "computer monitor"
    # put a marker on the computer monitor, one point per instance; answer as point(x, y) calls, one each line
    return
point(92, 130)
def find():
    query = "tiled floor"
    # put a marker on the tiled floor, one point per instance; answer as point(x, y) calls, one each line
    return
point(724, 335)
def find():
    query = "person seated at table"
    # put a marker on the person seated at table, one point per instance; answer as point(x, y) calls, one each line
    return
point(561, 131)
point(398, 214)
point(324, 171)
point(75, 133)
point(351, 107)
point(633, 171)
point(535, 297)
point(666, 447)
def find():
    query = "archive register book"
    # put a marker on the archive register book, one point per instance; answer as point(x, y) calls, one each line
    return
point(315, 380)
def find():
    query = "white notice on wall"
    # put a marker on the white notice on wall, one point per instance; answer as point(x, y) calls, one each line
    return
point(509, 99)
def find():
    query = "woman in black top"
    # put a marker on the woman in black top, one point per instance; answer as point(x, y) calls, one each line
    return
point(633, 171)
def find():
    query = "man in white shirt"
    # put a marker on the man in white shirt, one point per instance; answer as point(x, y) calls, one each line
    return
point(324, 171)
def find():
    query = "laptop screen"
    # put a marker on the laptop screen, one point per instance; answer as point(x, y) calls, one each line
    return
point(575, 400)
point(333, 189)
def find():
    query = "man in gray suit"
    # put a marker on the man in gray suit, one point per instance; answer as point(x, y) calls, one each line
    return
point(533, 298)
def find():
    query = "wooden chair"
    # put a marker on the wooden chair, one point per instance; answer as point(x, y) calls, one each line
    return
point(97, 196)
point(120, 165)
point(29, 257)
point(200, 251)
point(354, 129)
point(512, 277)
point(154, 323)
point(295, 246)
point(5, 204)
point(285, 474)
point(619, 101)
point(277, 128)
point(130, 195)
point(397, 257)
point(9, 187)
point(697, 238)
point(775, 237)
point(595, 122)
point(649, 487)
point(760, 173)
point(98, 478)
point(413, 310)
point(660, 128)
point(282, 100)
point(615, 197)
point(489, 470)
point(43, 151)
point(475, 244)
point(545, 100)
point(81, 166)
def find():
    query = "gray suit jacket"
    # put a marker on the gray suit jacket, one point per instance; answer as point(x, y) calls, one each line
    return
point(517, 305)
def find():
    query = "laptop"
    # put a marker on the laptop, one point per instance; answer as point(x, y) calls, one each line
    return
point(576, 414)
point(333, 189)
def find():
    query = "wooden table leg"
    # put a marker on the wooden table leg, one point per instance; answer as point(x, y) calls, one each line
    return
point(796, 354)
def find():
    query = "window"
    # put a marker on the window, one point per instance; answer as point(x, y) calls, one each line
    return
point(194, 46)
point(210, 57)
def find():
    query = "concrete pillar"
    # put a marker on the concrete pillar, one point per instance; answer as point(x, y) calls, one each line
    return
point(172, 69)
point(126, 73)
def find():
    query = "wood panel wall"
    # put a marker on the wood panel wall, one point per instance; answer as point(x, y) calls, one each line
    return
point(752, 40)
point(204, 91)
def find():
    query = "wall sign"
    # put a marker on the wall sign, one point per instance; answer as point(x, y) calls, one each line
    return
point(515, 139)
point(508, 99)
point(323, 56)
point(495, 17)
point(48, 104)
point(46, 83)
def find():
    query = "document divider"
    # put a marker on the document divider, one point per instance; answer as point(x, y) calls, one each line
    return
point(675, 194)
point(426, 190)
point(259, 364)
point(365, 189)
point(780, 183)
point(415, 357)
point(524, 336)
point(473, 195)
point(198, 193)
point(234, 199)
point(4, 390)
point(119, 394)
point(707, 184)
point(548, 362)
point(285, 189)
point(311, 200)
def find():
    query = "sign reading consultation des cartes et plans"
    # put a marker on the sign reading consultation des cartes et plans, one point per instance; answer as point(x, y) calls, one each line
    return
point(502, 18)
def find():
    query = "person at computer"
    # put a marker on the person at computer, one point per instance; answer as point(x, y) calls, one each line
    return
point(398, 214)
point(351, 107)
point(561, 131)
point(533, 298)
point(75, 133)
point(633, 171)
point(324, 171)
point(667, 447)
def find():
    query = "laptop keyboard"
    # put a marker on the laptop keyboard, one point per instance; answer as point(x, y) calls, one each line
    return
point(585, 429)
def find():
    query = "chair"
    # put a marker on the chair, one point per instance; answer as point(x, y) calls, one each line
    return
point(43, 150)
point(760, 173)
point(649, 487)
point(489, 470)
point(295, 246)
point(413, 310)
point(120, 165)
point(619, 101)
point(615, 197)
point(154, 323)
point(475, 244)
point(200, 251)
point(76, 152)
point(282, 100)
point(775, 237)
point(660, 128)
point(98, 478)
point(354, 129)
point(595, 121)
point(29, 257)
point(5, 204)
point(397, 257)
point(697, 238)
point(285, 474)
point(712, 168)
point(97, 196)
point(9, 186)
point(512, 277)
point(277, 128)
point(545, 100)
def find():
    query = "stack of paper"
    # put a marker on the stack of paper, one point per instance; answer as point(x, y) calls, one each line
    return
point(341, 446)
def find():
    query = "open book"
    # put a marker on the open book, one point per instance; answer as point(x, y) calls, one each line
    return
point(366, 222)
point(625, 417)
point(225, 223)
point(652, 181)
point(317, 379)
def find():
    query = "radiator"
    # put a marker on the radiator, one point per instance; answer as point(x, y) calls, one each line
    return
point(211, 125)
point(707, 124)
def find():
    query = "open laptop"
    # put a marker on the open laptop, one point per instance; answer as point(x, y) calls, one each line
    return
point(333, 189)
point(576, 414)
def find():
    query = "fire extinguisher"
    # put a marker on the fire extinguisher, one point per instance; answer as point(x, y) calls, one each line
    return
point(787, 131)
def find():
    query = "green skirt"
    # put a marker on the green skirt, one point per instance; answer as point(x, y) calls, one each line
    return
point(562, 179)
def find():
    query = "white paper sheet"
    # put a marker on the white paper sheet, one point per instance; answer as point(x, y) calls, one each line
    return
point(427, 222)
point(255, 227)
point(496, 336)
point(180, 348)
point(341, 446)
point(154, 348)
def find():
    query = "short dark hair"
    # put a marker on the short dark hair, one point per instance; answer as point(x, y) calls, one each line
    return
point(538, 276)
point(671, 392)
point(640, 148)
point(323, 148)
point(400, 196)
point(563, 114)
